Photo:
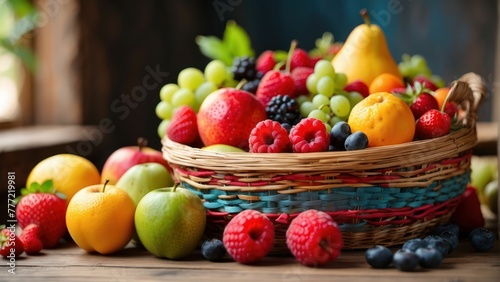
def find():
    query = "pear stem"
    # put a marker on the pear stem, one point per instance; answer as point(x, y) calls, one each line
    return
point(365, 16)
point(293, 45)
point(104, 186)
point(142, 142)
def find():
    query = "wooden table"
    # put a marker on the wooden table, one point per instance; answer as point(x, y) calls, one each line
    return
point(70, 263)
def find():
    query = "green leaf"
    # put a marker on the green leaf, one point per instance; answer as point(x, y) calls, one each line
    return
point(25, 54)
point(47, 186)
point(34, 187)
point(214, 48)
point(237, 40)
point(21, 7)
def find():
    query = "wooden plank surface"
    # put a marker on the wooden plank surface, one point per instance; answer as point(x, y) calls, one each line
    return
point(69, 263)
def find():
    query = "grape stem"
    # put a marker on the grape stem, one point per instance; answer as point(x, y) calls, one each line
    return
point(293, 45)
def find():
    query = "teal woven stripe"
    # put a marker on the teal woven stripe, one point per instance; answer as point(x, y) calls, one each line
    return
point(335, 199)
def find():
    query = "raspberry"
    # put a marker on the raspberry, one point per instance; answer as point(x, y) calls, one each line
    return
point(265, 62)
point(309, 135)
point(249, 236)
point(314, 238)
point(268, 136)
point(183, 127)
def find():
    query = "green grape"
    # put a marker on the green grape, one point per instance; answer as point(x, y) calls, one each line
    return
point(162, 127)
point(301, 99)
point(418, 62)
point(183, 96)
point(340, 80)
point(340, 105)
point(354, 98)
point(319, 100)
point(164, 110)
point(318, 114)
point(306, 108)
point(326, 86)
point(203, 91)
point(215, 72)
point(311, 82)
point(190, 78)
point(324, 68)
point(326, 109)
point(333, 120)
point(405, 69)
point(167, 91)
point(327, 126)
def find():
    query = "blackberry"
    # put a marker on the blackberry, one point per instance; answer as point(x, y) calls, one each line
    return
point(244, 68)
point(283, 109)
point(251, 86)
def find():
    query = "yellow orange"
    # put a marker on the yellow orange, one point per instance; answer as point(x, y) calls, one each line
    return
point(69, 173)
point(385, 82)
point(101, 219)
point(384, 118)
point(440, 95)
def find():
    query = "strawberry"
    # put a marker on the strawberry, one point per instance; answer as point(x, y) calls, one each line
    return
point(300, 58)
point(427, 83)
point(418, 98)
point(39, 205)
point(300, 75)
point(358, 86)
point(265, 62)
point(451, 109)
point(183, 127)
point(468, 215)
point(432, 124)
point(10, 243)
point(31, 239)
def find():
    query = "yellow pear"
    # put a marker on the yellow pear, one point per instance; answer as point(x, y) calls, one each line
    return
point(365, 54)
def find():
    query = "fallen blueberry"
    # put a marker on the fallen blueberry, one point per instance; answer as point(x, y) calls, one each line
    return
point(451, 227)
point(452, 240)
point(442, 245)
point(213, 249)
point(482, 239)
point(378, 256)
point(429, 257)
point(414, 244)
point(405, 260)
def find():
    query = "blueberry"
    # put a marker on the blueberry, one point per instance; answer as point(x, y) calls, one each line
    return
point(482, 239)
point(429, 257)
point(450, 227)
point(213, 249)
point(378, 256)
point(405, 260)
point(436, 242)
point(356, 141)
point(451, 238)
point(414, 244)
point(339, 133)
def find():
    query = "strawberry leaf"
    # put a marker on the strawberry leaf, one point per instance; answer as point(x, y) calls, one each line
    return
point(47, 186)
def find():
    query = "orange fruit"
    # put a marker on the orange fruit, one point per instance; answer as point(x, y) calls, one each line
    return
point(385, 82)
point(440, 94)
point(100, 218)
point(384, 118)
point(69, 173)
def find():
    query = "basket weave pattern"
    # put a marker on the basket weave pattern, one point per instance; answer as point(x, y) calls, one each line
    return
point(382, 195)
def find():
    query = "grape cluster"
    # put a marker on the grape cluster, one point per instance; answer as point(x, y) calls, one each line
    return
point(328, 101)
point(413, 66)
point(192, 87)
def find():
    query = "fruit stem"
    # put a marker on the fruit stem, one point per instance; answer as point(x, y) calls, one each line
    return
point(325, 246)
point(104, 186)
point(293, 45)
point(365, 16)
point(241, 83)
point(175, 186)
point(142, 142)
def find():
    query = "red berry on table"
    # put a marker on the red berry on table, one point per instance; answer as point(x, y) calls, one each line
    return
point(183, 127)
point(275, 83)
point(423, 103)
point(426, 83)
point(358, 86)
point(31, 239)
point(309, 135)
point(269, 136)
point(249, 236)
point(432, 124)
point(314, 238)
point(300, 75)
point(300, 58)
point(45, 209)
point(265, 62)
point(10, 242)
point(468, 215)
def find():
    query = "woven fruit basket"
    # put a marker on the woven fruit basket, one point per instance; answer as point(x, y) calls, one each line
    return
point(382, 195)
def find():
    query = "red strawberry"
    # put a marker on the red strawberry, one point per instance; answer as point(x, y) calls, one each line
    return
point(432, 124)
point(451, 109)
point(468, 215)
point(300, 75)
point(183, 127)
point(314, 238)
point(31, 239)
point(40, 206)
point(422, 104)
point(427, 83)
point(265, 62)
point(300, 58)
point(275, 83)
point(358, 86)
point(10, 244)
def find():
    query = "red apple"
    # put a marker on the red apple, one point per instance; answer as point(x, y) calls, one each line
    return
point(124, 158)
point(227, 116)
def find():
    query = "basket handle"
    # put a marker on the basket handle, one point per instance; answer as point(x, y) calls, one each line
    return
point(467, 92)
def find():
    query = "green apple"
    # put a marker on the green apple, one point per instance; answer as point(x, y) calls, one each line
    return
point(223, 148)
point(491, 196)
point(170, 222)
point(141, 179)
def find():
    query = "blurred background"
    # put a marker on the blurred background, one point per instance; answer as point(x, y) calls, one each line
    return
point(84, 63)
